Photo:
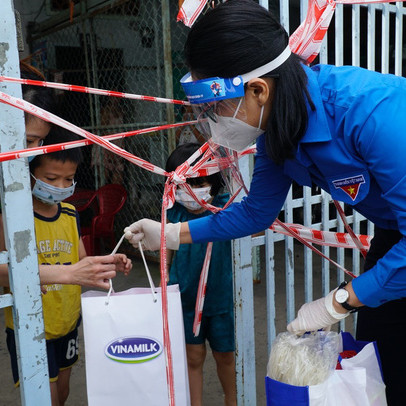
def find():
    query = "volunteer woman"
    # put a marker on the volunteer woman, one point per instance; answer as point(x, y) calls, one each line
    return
point(341, 128)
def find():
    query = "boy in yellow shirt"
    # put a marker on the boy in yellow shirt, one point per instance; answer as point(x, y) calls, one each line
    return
point(59, 245)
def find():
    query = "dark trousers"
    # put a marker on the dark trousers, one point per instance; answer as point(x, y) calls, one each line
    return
point(386, 325)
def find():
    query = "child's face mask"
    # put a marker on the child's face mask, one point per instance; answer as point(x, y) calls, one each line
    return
point(202, 193)
point(49, 194)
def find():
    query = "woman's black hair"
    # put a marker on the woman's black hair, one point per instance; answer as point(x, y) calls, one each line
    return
point(58, 135)
point(180, 155)
point(239, 36)
point(42, 97)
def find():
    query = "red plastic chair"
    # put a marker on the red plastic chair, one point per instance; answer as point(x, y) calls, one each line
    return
point(110, 200)
point(84, 200)
point(81, 199)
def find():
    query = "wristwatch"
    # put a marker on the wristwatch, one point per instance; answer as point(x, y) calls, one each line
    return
point(342, 296)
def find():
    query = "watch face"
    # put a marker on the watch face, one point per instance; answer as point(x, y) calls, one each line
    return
point(342, 295)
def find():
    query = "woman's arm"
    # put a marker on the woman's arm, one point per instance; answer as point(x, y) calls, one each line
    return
point(184, 235)
point(381, 144)
point(254, 213)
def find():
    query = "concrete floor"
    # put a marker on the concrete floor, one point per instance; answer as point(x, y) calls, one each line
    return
point(212, 390)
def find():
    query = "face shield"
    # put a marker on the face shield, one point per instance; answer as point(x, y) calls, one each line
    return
point(219, 106)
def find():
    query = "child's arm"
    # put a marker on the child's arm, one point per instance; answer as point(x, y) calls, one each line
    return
point(85, 278)
point(122, 263)
point(92, 271)
point(89, 271)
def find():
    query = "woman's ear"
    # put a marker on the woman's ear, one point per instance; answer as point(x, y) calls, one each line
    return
point(260, 89)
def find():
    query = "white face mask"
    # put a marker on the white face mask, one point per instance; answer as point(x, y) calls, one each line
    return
point(183, 198)
point(49, 194)
point(230, 132)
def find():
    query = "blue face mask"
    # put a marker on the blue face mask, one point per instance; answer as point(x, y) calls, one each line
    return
point(40, 144)
point(49, 194)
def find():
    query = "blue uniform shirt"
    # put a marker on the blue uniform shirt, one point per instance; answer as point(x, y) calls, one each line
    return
point(355, 149)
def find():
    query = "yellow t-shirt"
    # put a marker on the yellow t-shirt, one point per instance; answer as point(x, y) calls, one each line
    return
point(57, 243)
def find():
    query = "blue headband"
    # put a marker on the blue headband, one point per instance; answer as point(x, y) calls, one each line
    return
point(216, 89)
point(211, 89)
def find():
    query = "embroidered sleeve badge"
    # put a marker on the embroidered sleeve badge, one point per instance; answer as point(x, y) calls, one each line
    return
point(350, 185)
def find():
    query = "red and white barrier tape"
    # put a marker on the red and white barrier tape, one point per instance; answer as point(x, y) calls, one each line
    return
point(164, 279)
point(92, 90)
point(354, 238)
point(44, 115)
point(25, 153)
point(201, 290)
point(190, 10)
point(327, 238)
point(307, 39)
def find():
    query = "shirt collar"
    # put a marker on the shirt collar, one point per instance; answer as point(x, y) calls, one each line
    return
point(317, 127)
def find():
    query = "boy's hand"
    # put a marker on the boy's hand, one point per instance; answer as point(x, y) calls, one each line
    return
point(96, 271)
point(123, 264)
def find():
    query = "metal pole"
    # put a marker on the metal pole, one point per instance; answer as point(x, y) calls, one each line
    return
point(244, 312)
point(96, 105)
point(18, 222)
point(166, 28)
point(97, 168)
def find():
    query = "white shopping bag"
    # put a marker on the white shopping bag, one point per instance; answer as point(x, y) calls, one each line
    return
point(358, 383)
point(125, 361)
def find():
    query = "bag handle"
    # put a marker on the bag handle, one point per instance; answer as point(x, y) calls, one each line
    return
point(151, 283)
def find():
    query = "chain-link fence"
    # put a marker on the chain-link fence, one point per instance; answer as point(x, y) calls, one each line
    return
point(136, 47)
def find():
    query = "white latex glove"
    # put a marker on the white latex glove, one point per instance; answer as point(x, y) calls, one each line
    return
point(149, 233)
point(316, 315)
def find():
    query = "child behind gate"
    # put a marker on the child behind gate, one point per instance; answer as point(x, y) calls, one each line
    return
point(185, 266)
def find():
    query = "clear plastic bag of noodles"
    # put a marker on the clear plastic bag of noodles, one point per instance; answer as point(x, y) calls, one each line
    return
point(303, 361)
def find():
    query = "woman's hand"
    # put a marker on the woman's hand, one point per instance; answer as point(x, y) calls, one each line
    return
point(319, 314)
point(148, 232)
